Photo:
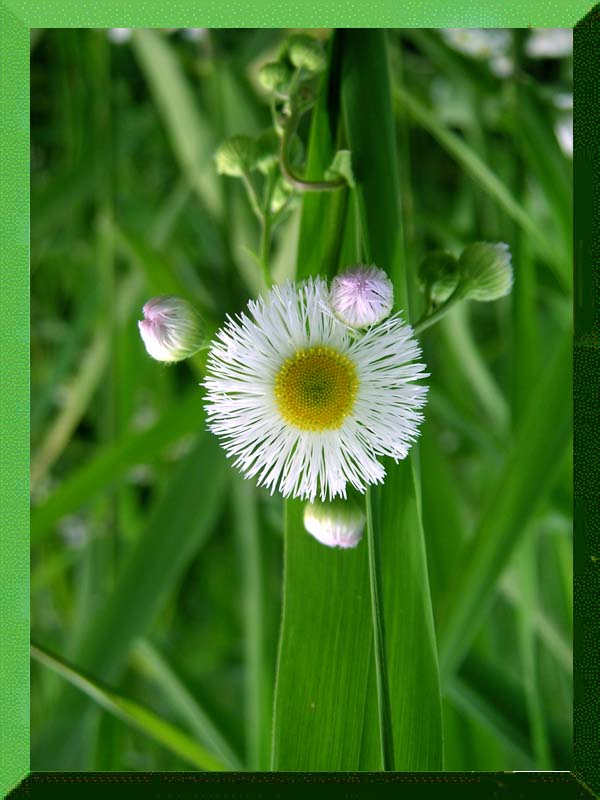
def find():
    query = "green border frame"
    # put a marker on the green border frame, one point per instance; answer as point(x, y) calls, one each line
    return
point(16, 18)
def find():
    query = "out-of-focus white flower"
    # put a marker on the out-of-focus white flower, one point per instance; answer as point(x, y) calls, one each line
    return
point(487, 44)
point(563, 100)
point(361, 296)
point(502, 66)
point(550, 43)
point(119, 35)
point(305, 405)
point(171, 329)
point(478, 42)
point(564, 133)
point(339, 523)
point(194, 34)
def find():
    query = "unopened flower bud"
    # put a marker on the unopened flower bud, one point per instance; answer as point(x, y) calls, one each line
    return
point(339, 523)
point(439, 272)
point(235, 156)
point(361, 296)
point(306, 53)
point(486, 271)
point(172, 329)
point(275, 76)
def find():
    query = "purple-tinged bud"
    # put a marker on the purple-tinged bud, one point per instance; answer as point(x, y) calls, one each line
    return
point(172, 329)
point(361, 296)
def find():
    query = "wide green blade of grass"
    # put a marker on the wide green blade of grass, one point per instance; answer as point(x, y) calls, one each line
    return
point(411, 646)
point(132, 713)
point(327, 715)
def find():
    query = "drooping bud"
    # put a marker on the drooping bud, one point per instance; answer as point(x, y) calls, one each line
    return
point(486, 271)
point(339, 523)
point(306, 53)
point(236, 156)
point(275, 76)
point(439, 275)
point(172, 329)
point(361, 296)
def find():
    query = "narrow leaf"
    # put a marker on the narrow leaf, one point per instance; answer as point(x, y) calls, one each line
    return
point(133, 714)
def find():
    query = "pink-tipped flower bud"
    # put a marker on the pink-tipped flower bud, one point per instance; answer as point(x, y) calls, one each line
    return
point(362, 296)
point(338, 523)
point(172, 329)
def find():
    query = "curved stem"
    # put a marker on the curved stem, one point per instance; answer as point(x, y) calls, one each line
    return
point(296, 181)
point(427, 320)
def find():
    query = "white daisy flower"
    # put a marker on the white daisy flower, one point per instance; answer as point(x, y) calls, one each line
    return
point(550, 43)
point(362, 296)
point(305, 405)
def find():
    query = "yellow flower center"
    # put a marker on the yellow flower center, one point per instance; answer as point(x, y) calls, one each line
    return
point(315, 388)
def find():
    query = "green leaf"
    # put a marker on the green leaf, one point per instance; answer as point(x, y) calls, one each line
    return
point(325, 655)
point(179, 524)
point(149, 662)
point(133, 714)
point(190, 134)
point(326, 712)
point(341, 167)
point(411, 646)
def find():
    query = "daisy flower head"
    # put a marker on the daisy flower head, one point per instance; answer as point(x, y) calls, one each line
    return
point(305, 405)
point(362, 296)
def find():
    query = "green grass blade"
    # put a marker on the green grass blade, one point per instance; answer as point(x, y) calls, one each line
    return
point(411, 646)
point(538, 445)
point(190, 134)
point(386, 732)
point(258, 671)
point(325, 654)
point(133, 714)
point(150, 663)
point(180, 522)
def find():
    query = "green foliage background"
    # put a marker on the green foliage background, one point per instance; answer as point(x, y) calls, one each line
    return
point(156, 572)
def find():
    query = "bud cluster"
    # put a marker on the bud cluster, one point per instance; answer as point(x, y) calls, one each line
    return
point(483, 272)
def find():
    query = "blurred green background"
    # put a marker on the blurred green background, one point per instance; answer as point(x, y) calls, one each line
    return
point(143, 574)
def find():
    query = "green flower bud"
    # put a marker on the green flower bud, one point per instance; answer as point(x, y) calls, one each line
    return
point(338, 523)
point(267, 150)
point(307, 53)
point(486, 271)
point(439, 271)
point(275, 76)
point(236, 155)
point(172, 329)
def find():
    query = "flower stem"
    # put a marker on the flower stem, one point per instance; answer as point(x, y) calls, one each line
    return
point(430, 319)
point(288, 173)
point(383, 688)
